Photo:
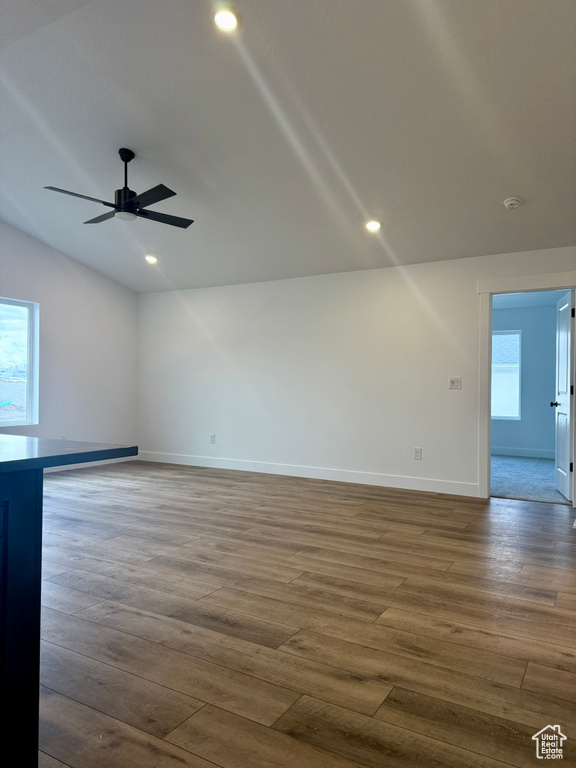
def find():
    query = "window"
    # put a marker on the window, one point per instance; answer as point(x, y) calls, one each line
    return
point(18, 362)
point(506, 347)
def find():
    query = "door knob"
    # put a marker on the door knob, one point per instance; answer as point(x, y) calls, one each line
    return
point(554, 404)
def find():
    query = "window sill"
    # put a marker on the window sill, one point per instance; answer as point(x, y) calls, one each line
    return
point(506, 418)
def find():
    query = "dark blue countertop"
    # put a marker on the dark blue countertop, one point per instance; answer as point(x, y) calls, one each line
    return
point(19, 453)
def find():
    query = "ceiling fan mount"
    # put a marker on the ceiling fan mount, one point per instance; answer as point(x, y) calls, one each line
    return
point(126, 155)
point(128, 205)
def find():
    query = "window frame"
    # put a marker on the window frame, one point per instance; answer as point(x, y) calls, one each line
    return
point(32, 380)
point(511, 332)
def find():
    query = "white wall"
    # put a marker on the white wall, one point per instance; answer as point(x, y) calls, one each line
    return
point(336, 376)
point(88, 335)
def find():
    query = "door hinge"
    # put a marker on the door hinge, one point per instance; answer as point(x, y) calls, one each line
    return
point(571, 389)
point(571, 466)
point(573, 311)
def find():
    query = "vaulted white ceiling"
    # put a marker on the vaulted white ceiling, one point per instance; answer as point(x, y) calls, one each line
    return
point(280, 140)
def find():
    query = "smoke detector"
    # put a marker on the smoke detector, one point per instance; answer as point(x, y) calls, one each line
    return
point(512, 202)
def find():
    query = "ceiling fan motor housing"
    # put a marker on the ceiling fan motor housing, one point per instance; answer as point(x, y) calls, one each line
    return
point(122, 198)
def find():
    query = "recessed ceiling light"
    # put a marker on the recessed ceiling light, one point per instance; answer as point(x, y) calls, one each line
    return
point(151, 259)
point(226, 18)
point(372, 225)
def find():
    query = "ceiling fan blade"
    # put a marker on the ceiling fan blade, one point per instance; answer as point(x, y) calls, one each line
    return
point(104, 216)
point(84, 197)
point(175, 221)
point(153, 195)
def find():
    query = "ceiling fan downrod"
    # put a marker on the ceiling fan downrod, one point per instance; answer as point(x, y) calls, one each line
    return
point(123, 196)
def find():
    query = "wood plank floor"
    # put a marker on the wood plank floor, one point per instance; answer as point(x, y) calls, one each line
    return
point(199, 617)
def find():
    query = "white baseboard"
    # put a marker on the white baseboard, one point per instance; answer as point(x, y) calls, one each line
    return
point(529, 453)
point(317, 473)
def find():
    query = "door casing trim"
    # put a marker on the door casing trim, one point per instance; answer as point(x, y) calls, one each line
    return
point(486, 289)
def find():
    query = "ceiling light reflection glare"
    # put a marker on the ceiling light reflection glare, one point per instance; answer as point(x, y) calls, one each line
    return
point(151, 259)
point(372, 225)
point(226, 19)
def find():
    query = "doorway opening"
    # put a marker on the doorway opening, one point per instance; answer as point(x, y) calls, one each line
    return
point(531, 420)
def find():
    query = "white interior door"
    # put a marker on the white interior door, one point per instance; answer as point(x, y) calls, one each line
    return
point(562, 403)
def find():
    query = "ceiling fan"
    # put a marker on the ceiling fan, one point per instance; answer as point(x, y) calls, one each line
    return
point(128, 205)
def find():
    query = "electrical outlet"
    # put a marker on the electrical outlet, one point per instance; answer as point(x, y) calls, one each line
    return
point(418, 454)
point(455, 382)
point(212, 438)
